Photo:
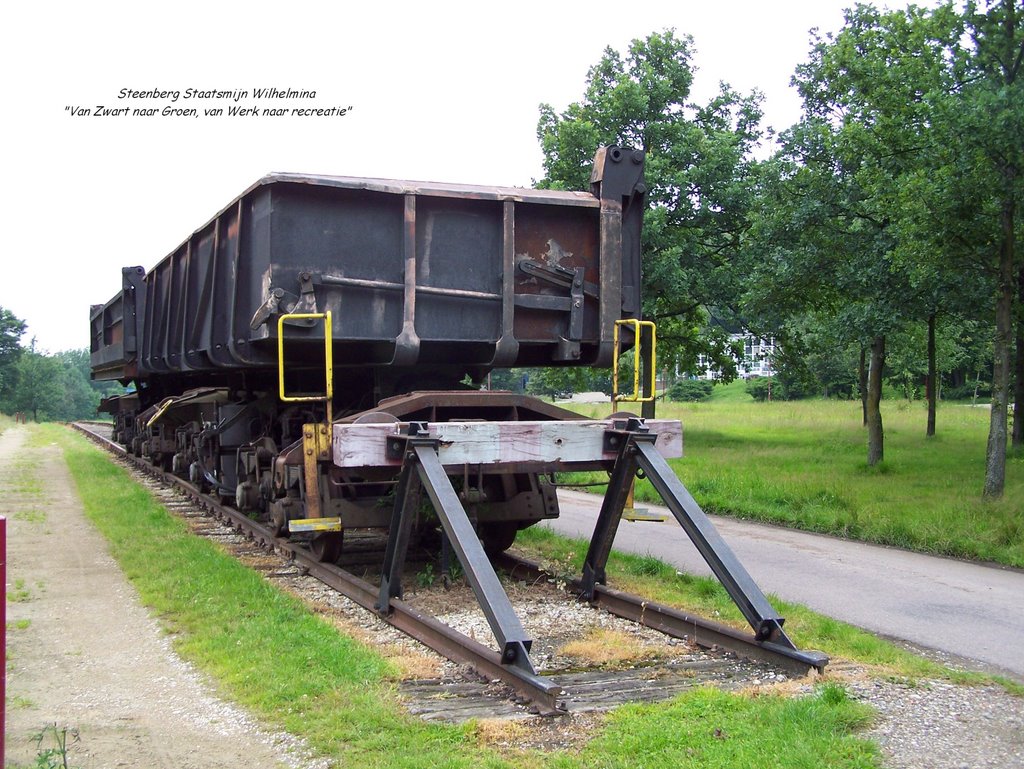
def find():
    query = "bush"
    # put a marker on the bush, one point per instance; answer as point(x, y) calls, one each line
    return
point(690, 390)
point(761, 388)
point(765, 388)
point(966, 392)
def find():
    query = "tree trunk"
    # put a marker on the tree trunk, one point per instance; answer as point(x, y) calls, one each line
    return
point(930, 386)
point(1018, 392)
point(995, 456)
point(874, 397)
point(862, 383)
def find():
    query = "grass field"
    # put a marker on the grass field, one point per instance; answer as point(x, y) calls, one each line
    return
point(803, 464)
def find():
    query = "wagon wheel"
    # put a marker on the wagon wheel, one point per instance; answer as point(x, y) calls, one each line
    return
point(375, 418)
point(497, 536)
point(278, 521)
point(326, 548)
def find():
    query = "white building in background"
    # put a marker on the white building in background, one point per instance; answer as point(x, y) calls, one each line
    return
point(757, 357)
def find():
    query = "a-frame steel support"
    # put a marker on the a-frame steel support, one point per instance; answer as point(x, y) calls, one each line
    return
point(636, 451)
point(421, 468)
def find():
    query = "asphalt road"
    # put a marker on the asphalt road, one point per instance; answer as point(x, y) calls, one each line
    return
point(963, 609)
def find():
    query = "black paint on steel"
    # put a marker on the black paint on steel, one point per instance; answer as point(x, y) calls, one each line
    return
point(407, 500)
point(734, 577)
point(507, 629)
point(413, 273)
point(637, 451)
point(679, 624)
point(544, 694)
point(112, 326)
point(619, 484)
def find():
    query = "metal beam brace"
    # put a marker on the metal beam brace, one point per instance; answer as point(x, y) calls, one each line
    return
point(638, 452)
point(407, 501)
point(422, 466)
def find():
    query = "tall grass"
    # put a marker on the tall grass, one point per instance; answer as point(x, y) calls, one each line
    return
point(803, 464)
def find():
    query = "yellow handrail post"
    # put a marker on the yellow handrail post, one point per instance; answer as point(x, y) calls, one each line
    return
point(629, 512)
point(328, 395)
point(316, 442)
point(636, 396)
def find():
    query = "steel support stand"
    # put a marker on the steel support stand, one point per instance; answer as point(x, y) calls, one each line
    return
point(421, 466)
point(638, 452)
point(407, 500)
point(620, 484)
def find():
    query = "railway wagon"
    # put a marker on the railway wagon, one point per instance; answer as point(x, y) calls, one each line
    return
point(313, 355)
point(311, 300)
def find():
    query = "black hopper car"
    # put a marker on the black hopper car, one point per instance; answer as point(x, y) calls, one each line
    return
point(313, 353)
point(428, 286)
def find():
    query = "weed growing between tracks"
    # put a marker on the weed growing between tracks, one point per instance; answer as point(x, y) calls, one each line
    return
point(271, 654)
point(704, 596)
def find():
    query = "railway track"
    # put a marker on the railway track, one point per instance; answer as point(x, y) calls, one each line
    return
point(728, 657)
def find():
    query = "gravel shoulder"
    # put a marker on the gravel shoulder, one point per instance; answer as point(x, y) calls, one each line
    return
point(85, 654)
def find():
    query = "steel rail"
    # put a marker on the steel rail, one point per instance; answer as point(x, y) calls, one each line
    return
point(679, 624)
point(542, 693)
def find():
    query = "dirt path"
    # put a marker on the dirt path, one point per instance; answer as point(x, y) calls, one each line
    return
point(84, 653)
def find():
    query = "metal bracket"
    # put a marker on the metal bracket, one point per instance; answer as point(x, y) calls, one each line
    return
point(307, 298)
point(558, 275)
point(615, 439)
point(278, 300)
point(568, 346)
point(397, 445)
point(281, 302)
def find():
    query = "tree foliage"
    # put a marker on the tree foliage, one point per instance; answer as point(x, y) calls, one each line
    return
point(11, 330)
point(887, 205)
point(699, 173)
point(45, 387)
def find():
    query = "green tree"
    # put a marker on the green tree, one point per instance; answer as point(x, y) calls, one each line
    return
point(54, 387)
point(699, 173)
point(557, 381)
point(40, 386)
point(832, 236)
point(995, 91)
point(11, 331)
point(960, 205)
point(81, 397)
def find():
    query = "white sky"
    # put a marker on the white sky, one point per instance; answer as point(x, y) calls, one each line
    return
point(443, 91)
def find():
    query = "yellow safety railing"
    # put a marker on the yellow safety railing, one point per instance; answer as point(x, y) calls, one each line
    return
point(636, 396)
point(328, 360)
point(316, 438)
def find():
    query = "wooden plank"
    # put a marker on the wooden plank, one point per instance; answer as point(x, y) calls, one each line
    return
point(496, 443)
